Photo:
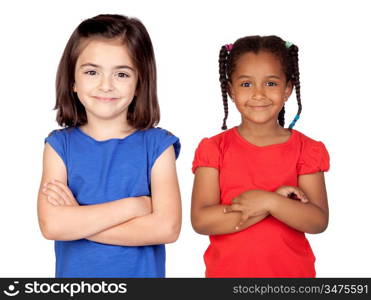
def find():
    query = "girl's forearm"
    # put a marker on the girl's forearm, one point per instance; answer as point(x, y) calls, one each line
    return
point(305, 217)
point(76, 222)
point(212, 220)
point(151, 229)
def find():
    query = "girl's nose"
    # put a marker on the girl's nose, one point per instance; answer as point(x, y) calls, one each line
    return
point(258, 93)
point(106, 84)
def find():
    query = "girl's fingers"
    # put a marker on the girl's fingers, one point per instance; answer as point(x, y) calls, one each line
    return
point(241, 222)
point(58, 197)
point(60, 191)
point(293, 192)
point(54, 196)
point(243, 219)
point(301, 195)
point(303, 198)
point(56, 189)
point(285, 192)
point(64, 187)
point(70, 197)
point(233, 207)
point(227, 209)
point(52, 201)
point(234, 201)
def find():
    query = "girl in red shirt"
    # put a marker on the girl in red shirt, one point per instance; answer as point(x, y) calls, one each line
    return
point(259, 187)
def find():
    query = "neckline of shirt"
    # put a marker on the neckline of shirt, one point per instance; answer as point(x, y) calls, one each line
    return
point(246, 142)
point(104, 141)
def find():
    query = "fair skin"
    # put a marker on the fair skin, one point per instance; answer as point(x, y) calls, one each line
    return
point(105, 82)
point(259, 90)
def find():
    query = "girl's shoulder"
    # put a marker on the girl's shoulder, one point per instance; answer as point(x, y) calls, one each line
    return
point(158, 135)
point(314, 156)
point(59, 139)
point(305, 140)
point(61, 132)
point(218, 139)
point(209, 150)
point(158, 139)
point(157, 131)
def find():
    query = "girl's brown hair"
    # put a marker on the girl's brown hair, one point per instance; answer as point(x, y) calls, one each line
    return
point(144, 111)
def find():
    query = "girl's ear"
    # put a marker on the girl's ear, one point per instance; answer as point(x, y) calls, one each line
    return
point(288, 90)
point(74, 87)
point(230, 91)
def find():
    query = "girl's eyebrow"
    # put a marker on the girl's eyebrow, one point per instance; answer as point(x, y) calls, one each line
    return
point(98, 66)
point(244, 76)
point(248, 76)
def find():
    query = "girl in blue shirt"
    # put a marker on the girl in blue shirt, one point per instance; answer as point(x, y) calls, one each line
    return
point(109, 193)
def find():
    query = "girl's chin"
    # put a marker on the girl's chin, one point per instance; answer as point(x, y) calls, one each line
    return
point(106, 115)
point(259, 121)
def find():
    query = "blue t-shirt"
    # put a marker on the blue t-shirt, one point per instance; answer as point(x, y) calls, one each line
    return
point(103, 171)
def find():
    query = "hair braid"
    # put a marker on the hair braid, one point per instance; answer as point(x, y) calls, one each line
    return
point(293, 52)
point(223, 56)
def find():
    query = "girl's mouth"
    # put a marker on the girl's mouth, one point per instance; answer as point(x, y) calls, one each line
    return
point(105, 99)
point(258, 107)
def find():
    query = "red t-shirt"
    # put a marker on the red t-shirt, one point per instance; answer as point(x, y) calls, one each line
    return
point(269, 248)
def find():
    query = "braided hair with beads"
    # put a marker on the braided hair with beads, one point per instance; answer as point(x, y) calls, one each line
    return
point(286, 52)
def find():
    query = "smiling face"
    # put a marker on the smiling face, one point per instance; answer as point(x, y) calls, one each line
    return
point(259, 87)
point(105, 79)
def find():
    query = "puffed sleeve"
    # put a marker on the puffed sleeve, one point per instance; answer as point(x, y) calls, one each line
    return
point(207, 155)
point(314, 158)
point(58, 141)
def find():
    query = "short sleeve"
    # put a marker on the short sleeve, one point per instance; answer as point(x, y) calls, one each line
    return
point(57, 140)
point(159, 140)
point(206, 155)
point(314, 158)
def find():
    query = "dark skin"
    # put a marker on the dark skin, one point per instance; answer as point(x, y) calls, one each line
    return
point(259, 89)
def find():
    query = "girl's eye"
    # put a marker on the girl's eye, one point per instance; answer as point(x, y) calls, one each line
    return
point(246, 84)
point(271, 83)
point(92, 73)
point(123, 75)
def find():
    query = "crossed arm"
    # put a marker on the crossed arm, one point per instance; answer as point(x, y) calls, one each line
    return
point(134, 221)
point(209, 217)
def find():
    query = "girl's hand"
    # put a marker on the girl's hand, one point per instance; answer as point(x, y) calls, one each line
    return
point(58, 194)
point(292, 192)
point(251, 204)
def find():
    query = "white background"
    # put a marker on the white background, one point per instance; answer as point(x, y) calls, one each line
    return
point(334, 42)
